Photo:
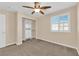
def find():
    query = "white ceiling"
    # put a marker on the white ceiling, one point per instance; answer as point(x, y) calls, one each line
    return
point(17, 6)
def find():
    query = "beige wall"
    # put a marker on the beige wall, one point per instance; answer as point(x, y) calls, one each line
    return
point(67, 39)
point(10, 26)
point(78, 26)
point(33, 28)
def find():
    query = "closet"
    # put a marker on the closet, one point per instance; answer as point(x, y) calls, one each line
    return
point(28, 29)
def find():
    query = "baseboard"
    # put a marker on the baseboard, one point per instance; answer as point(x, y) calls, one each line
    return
point(60, 44)
point(65, 45)
point(19, 43)
point(47, 41)
point(77, 51)
point(13, 43)
point(10, 44)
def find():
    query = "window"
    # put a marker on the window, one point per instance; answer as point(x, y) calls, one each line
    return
point(60, 23)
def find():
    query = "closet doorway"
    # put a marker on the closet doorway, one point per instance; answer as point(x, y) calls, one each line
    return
point(28, 29)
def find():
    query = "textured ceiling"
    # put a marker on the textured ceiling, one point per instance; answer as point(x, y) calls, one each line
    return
point(17, 6)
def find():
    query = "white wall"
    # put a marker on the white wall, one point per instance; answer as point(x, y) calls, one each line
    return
point(67, 39)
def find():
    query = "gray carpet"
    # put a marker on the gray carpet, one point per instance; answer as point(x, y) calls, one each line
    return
point(37, 48)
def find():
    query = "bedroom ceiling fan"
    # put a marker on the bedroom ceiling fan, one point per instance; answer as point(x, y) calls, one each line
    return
point(37, 8)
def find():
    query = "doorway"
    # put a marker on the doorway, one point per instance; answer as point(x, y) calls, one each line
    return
point(28, 29)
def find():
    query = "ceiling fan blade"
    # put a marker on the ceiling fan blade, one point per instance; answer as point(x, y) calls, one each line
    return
point(33, 12)
point(45, 7)
point(41, 12)
point(37, 5)
point(28, 7)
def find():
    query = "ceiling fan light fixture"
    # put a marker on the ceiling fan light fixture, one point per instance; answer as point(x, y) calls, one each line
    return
point(36, 10)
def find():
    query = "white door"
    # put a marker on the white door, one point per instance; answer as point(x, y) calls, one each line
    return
point(28, 29)
point(2, 31)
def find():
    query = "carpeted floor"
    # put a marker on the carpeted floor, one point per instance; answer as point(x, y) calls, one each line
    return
point(37, 48)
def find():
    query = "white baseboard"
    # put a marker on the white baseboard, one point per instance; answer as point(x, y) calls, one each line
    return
point(10, 44)
point(77, 51)
point(14, 43)
point(60, 44)
point(18, 43)
point(64, 45)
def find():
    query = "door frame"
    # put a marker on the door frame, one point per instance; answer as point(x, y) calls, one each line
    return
point(23, 28)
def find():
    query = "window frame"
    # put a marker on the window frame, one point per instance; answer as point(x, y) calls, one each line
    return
point(69, 23)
